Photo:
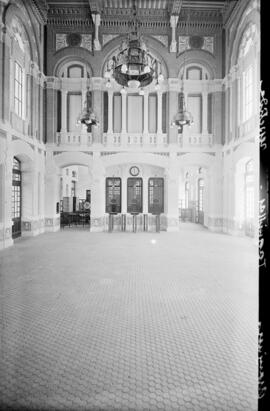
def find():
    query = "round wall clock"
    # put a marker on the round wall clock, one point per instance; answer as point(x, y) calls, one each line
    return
point(134, 171)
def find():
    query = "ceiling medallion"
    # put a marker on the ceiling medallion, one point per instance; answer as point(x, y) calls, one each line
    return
point(74, 39)
point(133, 66)
point(196, 42)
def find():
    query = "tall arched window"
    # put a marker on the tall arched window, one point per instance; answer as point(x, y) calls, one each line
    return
point(200, 201)
point(187, 191)
point(248, 73)
point(249, 197)
point(249, 189)
point(20, 62)
point(200, 194)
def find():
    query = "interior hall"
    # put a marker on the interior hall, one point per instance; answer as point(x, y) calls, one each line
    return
point(129, 204)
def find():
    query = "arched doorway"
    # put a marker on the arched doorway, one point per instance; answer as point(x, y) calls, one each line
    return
point(75, 196)
point(200, 200)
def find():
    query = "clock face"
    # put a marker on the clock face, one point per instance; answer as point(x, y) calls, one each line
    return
point(134, 171)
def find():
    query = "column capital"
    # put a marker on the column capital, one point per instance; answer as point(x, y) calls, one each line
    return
point(174, 20)
point(96, 20)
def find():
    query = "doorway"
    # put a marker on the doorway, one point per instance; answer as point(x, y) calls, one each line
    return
point(16, 199)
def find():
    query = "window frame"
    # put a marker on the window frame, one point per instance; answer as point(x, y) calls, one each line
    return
point(18, 89)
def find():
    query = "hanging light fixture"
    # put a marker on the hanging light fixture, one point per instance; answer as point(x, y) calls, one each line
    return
point(133, 66)
point(182, 117)
point(88, 117)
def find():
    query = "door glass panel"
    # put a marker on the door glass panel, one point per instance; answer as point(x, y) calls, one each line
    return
point(113, 195)
point(156, 195)
point(134, 195)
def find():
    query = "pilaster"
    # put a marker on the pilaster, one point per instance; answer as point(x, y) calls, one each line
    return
point(171, 194)
point(173, 24)
point(52, 194)
point(98, 195)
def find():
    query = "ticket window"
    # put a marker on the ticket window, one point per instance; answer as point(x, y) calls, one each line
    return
point(156, 195)
point(134, 195)
point(113, 195)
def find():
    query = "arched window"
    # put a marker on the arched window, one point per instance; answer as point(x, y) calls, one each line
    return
point(247, 41)
point(21, 60)
point(18, 89)
point(75, 71)
point(249, 190)
point(187, 193)
point(194, 73)
point(246, 45)
point(200, 194)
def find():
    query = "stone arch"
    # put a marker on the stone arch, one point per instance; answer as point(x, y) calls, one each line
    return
point(244, 151)
point(71, 58)
point(22, 150)
point(72, 158)
point(195, 159)
point(17, 9)
point(200, 58)
point(243, 22)
point(135, 158)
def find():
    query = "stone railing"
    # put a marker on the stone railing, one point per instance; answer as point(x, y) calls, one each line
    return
point(195, 140)
point(73, 139)
point(135, 140)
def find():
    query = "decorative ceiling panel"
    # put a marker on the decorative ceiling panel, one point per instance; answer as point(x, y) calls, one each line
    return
point(205, 16)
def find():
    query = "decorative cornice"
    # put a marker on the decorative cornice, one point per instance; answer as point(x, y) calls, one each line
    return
point(199, 27)
point(122, 26)
point(70, 16)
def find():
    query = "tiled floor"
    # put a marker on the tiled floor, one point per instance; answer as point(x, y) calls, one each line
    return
point(114, 321)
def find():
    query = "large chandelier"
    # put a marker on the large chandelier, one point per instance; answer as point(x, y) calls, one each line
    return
point(182, 117)
point(88, 117)
point(133, 66)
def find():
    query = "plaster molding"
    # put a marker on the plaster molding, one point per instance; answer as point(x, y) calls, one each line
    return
point(108, 37)
point(53, 83)
point(162, 39)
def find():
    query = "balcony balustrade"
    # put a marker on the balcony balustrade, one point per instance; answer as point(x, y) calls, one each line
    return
point(125, 141)
point(73, 139)
point(195, 140)
point(135, 140)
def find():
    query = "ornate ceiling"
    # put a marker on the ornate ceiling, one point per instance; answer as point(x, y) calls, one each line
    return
point(203, 15)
